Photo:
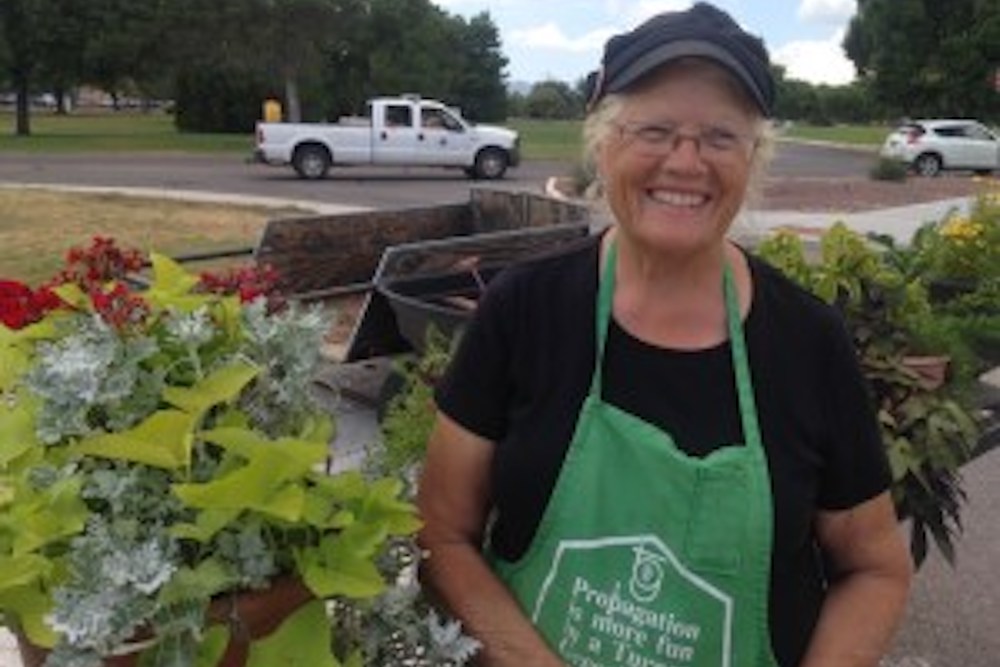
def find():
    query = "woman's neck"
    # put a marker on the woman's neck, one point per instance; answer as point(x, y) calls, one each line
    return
point(676, 301)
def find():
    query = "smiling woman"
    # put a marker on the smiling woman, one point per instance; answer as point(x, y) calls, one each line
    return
point(38, 226)
point(655, 420)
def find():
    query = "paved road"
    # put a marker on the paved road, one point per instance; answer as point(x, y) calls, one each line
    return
point(360, 186)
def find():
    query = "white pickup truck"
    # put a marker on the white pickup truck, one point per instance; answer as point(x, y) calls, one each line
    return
point(404, 131)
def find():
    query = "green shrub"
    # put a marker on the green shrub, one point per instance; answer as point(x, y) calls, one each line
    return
point(886, 169)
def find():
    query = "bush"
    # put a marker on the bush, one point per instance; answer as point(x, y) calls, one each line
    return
point(886, 169)
point(218, 100)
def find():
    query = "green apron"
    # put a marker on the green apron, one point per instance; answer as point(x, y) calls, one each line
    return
point(645, 556)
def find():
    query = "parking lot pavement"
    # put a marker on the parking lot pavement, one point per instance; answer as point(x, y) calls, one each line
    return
point(953, 619)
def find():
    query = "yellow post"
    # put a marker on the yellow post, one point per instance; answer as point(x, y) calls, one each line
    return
point(272, 110)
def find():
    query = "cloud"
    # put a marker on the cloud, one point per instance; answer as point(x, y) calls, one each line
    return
point(551, 36)
point(818, 61)
point(836, 12)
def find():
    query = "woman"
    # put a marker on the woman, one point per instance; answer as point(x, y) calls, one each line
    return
point(652, 449)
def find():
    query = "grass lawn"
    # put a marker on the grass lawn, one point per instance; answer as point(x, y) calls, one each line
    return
point(39, 226)
point(132, 131)
point(862, 135)
point(107, 131)
point(549, 139)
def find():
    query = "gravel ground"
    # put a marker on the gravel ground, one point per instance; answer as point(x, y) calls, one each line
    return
point(849, 195)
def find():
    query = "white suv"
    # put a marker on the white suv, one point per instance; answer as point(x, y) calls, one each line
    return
point(929, 146)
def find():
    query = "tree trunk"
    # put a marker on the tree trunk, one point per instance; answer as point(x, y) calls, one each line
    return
point(23, 116)
point(62, 101)
point(294, 113)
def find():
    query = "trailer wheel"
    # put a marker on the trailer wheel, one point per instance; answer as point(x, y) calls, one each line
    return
point(491, 163)
point(311, 161)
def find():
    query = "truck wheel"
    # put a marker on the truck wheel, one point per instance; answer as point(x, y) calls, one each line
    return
point(491, 163)
point(311, 161)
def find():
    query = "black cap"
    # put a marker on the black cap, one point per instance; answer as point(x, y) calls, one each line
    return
point(703, 31)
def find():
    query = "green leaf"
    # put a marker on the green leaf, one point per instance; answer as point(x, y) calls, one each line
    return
point(30, 605)
point(303, 640)
point(17, 571)
point(222, 386)
point(47, 517)
point(14, 362)
point(293, 458)
point(201, 583)
point(17, 431)
point(343, 487)
point(383, 506)
point(319, 511)
point(258, 486)
point(318, 428)
point(163, 440)
point(213, 646)
point(355, 659)
point(207, 524)
point(343, 564)
point(170, 280)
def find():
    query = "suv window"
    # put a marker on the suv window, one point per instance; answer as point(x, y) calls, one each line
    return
point(979, 133)
point(950, 131)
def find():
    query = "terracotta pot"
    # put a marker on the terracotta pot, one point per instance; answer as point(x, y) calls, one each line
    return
point(250, 615)
point(931, 370)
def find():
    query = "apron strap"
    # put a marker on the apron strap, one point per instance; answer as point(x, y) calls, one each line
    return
point(741, 363)
point(737, 343)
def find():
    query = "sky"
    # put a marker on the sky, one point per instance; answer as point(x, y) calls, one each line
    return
point(563, 39)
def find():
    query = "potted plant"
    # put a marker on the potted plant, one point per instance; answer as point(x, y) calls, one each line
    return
point(927, 432)
point(162, 461)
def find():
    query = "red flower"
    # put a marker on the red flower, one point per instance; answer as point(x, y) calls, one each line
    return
point(118, 306)
point(101, 262)
point(21, 306)
point(249, 282)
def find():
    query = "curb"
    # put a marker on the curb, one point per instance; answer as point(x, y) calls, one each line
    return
point(194, 196)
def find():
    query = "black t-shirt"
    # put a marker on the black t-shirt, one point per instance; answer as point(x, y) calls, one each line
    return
point(524, 366)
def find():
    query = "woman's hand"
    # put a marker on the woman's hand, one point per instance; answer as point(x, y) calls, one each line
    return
point(454, 501)
point(868, 589)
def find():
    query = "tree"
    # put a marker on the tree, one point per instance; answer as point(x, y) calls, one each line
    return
point(125, 44)
point(553, 99)
point(69, 26)
point(926, 57)
point(21, 22)
point(299, 33)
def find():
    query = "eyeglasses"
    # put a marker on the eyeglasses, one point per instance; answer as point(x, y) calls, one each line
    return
point(713, 142)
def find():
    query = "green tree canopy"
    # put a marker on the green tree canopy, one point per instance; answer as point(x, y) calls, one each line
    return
point(927, 57)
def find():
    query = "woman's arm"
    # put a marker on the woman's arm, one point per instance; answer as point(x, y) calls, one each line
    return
point(454, 501)
point(869, 585)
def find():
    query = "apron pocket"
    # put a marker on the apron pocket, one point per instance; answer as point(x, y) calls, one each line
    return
point(714, 536)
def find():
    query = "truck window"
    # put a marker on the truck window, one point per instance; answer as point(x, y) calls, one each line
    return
point(431, 118)
point(398, 116)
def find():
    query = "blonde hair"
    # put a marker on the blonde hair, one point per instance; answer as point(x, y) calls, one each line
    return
point(600, 124)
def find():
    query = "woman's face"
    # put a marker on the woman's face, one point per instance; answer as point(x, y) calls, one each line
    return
point(677, 160)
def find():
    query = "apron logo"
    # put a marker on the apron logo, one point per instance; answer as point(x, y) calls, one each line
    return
point(647, 574)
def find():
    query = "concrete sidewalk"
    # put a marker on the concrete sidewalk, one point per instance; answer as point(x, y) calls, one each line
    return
point(900, 222)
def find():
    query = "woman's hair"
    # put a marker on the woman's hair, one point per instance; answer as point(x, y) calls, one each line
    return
point(600, 121)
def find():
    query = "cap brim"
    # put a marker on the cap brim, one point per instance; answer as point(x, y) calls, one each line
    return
point(689, 48)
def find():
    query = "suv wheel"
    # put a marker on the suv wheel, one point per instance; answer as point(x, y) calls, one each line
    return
point(927, 164)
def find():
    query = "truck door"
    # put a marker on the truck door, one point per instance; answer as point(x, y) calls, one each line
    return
point(394, 140)
point(441, 138)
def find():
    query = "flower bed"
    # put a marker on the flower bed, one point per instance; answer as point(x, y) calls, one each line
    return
point(161, 449)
